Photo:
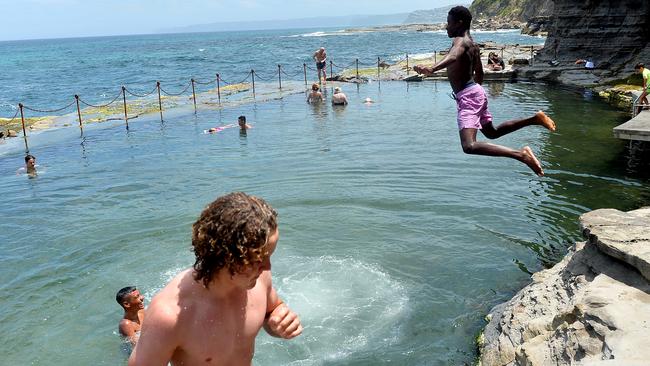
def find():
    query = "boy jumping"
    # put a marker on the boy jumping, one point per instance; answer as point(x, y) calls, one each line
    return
point(465, 71)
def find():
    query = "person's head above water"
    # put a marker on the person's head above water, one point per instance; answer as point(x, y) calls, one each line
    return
point(30, 161)
point(639, 67)
point(232, 234)
point(459, 20)
point(337, 90)
point(241, 120)
point(130, 298)
point(315, 87)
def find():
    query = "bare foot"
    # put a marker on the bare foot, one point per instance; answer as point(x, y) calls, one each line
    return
point(545, 120)
point(530, 160)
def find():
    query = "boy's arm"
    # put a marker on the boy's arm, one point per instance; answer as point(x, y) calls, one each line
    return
point(157, 339)
point(280, 321)
point(454, 54)
point(478, 67)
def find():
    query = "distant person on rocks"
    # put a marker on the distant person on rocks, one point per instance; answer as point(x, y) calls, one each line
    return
point(132, 302)
point(243, 126)
point(30, 166)
point(211, 313)
point(495, 63)
point(321, 62)
point(465, 71)
point(315, 96)
point(339, 98)
point(645, 73)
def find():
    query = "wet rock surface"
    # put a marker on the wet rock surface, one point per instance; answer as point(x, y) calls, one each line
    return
point(591, 308)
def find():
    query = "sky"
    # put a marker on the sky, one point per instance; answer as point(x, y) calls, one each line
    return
point(36, 19)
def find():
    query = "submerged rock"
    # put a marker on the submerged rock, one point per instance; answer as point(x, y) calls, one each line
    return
point(591, 308)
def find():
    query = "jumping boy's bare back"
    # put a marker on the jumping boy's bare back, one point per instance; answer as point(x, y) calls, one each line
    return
point(465, 72)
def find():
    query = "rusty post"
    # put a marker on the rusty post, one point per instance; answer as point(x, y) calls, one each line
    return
point(253, 78)
point(357, 62)
point(531, 55)
point(126, 116)
point(22, 118)
point(502, 48)
point(219, 88)
point(159, 100)
point(81, 126)
point(193, 95)
point(435, 56)
point(407, 63)
point(304, 69)
point(378, 68)
point(280, 76)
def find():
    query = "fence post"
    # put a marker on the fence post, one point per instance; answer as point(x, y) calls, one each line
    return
point(435, 56)
point(219, 88)
point(378, 68)
point(407, 63)
point(253, 78)
point(22, 118)
point(126, 116)
point(193, 95)
point(159, 100)
point(331, 72)
point(280, 76)
point(502, 48)
point(531, 55)
point(81, 126)
point(304, 69)
point(357, 62)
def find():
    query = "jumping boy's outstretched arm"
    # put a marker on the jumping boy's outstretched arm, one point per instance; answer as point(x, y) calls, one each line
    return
point(456, 51)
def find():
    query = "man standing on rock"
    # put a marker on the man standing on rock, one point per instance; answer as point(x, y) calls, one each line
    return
point(465, 71)
point(320, 57)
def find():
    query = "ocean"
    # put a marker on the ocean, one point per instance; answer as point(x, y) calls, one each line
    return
point(393, 243)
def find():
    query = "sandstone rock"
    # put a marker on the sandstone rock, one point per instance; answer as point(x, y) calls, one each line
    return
point(591, 308)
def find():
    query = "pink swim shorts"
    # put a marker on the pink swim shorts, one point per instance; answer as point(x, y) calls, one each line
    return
point(472, 107)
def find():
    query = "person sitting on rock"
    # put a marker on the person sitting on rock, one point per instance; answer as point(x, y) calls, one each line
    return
point(643, 99)
point(495, 63)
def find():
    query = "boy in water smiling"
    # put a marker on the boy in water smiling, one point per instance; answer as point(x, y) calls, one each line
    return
point(465, 71)
point(211, 313)
point(132, 302)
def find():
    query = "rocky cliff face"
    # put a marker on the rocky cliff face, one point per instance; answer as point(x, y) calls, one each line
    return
point(614, 33)
point(592, 308)
point(520, 10)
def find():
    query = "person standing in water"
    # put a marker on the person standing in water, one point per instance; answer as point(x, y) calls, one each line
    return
point(132, 302)
point(321, 62)
point(315, 96)
point(211, 313)
point(465, 71)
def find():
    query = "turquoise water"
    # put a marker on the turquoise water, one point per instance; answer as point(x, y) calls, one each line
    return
point(394, 244)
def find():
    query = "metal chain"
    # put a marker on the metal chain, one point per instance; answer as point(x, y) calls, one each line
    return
point(176, 94)
point(14, 117)
point(261, 78)
point(50, 110)
point(141, 95)
point(101, 105)
point(205, 83)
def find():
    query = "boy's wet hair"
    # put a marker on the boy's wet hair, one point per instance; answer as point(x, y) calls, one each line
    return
point(314, 86)
point(241, 118)
point(124, 293)
point(461, 14)
point(231, 233)
point(639, 65)
point(28, 157)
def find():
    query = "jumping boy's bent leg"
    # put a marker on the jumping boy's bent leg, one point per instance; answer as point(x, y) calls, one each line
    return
point(540, 118)
point(525, 155)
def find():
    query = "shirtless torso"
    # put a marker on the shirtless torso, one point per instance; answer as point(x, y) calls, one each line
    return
point(130, 328)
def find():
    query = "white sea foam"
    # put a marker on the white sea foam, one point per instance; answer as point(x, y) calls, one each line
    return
point(322, 34)
point(201, 49)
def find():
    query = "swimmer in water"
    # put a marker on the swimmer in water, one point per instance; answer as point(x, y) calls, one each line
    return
point(30, 166)
point(243, 126)
point(133, 304)
point(465, 71)
point(368, 101)
point(214, 130)
point(339, 98)
point(315, 96)
point(211, 313)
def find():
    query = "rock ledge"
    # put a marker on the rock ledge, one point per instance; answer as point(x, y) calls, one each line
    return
point(592, 308)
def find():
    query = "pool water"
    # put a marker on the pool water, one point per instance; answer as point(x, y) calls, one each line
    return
point(393, 243)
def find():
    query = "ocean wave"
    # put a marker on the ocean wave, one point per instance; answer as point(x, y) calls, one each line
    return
point(322, 34)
